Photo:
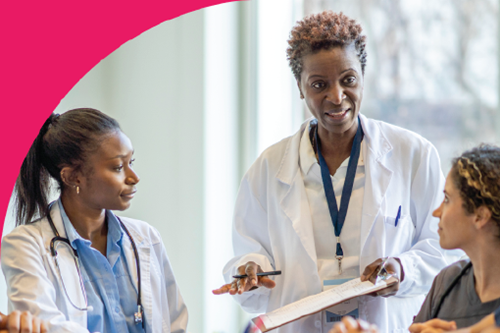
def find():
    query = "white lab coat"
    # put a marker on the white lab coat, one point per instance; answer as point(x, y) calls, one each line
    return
point(272, 225)
point(34, 284)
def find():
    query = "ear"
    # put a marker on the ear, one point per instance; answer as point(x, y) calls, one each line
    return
point(70, 176)
point(483, 216)
point(300, 90)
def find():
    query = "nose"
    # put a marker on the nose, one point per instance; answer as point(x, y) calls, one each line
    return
point(437, 211)
point(132, 177)
point(336, 94)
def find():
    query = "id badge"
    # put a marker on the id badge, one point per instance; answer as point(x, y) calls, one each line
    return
point(347, 308)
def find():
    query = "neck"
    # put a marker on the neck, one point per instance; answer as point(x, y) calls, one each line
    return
point(337, 144)
point(88, 222)
point(336, 147)
point(484, 258)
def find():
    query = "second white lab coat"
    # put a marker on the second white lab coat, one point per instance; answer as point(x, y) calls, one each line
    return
point(34, 284)
point(272, 225)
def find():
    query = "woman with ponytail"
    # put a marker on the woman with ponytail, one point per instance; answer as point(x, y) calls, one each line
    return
point(72, 262)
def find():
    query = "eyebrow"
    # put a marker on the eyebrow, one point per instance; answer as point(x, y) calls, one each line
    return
point(349, 69)
point(345, 70)
point(120, 156)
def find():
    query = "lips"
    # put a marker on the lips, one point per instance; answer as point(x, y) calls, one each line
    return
point(337, 115)
point(129, 194)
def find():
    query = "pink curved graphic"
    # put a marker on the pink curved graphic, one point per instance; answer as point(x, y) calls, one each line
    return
point(47, 46)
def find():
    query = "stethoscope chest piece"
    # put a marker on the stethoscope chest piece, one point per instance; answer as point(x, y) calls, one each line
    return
point(138, 315)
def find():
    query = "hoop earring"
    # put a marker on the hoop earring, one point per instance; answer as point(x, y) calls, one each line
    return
point(77, 189)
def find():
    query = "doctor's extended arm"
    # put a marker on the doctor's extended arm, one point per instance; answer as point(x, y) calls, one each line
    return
point(251, 243)
point(28, 286)
point(423, 261)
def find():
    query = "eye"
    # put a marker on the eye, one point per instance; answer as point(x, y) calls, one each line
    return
point(119, 168)
point(446, 199)
point(131, 162)
point(350, 80)
point(317, 85)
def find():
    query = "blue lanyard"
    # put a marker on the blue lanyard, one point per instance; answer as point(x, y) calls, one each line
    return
point(338, 216)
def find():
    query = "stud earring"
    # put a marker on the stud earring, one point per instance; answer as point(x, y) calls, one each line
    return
point(301, 96)
point(77, 189)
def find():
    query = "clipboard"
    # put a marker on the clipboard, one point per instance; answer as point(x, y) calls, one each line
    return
point(319, 302)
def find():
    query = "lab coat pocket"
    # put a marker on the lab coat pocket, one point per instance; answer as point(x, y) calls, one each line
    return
point(399, 233)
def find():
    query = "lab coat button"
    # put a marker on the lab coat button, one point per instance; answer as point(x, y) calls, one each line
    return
point(317, 323)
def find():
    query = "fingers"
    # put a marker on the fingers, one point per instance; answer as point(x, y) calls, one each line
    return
point(370, 270)
point(339, 328)
point(14, 322)
point(350, 325)
point(222, 290)
point(266, 282)
point(35, 325)
point(252, 281)
point(251, 269)
point(26, 322)
point(441, 324)
point(43, 327)
point(416, 328)
point(433, 326)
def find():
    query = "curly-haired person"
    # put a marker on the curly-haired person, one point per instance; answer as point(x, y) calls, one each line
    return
point(468, 290)
point(327, 204)
point(464, 294)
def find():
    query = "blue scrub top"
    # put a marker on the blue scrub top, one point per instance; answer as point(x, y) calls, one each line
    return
point(107, 280)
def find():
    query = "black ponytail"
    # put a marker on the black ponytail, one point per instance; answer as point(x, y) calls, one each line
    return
point(33, 183)
point(63, 140)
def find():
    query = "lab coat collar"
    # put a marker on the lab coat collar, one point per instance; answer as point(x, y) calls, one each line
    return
point(378, 175)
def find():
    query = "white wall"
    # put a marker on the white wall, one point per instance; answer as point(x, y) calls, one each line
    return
point(153, 85)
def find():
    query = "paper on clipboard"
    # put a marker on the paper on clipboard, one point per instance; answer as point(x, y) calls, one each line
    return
point(318, 302)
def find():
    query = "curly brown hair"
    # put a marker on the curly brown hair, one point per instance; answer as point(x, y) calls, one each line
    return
point(476, 174)
point(322, 32)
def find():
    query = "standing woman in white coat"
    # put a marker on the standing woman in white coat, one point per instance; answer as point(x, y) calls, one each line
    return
point(328, 203)
point(80, 267)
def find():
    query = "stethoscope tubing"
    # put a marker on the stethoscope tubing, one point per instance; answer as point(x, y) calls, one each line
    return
point(139, 315)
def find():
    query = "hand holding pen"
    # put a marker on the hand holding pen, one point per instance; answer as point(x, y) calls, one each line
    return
point(250, 276)
point(393, 267)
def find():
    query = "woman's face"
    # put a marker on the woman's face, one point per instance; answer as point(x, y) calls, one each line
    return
point(456, 226)
point(331, 83)
point(109, 180)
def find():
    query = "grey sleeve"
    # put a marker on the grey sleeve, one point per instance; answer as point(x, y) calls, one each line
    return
point(425, 312)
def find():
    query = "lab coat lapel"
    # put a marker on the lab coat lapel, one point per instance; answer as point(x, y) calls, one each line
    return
point(294, 203)
point(378, 175)
point(67, 268)
point(145, 264)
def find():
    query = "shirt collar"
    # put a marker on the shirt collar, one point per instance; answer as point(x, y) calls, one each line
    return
point(115, 232)
point(307, 157)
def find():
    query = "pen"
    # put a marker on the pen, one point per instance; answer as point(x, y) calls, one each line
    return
point(258, 274)
point(397, 217)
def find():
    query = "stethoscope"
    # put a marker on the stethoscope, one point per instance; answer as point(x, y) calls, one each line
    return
point(138, 316)
point(449, 289)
